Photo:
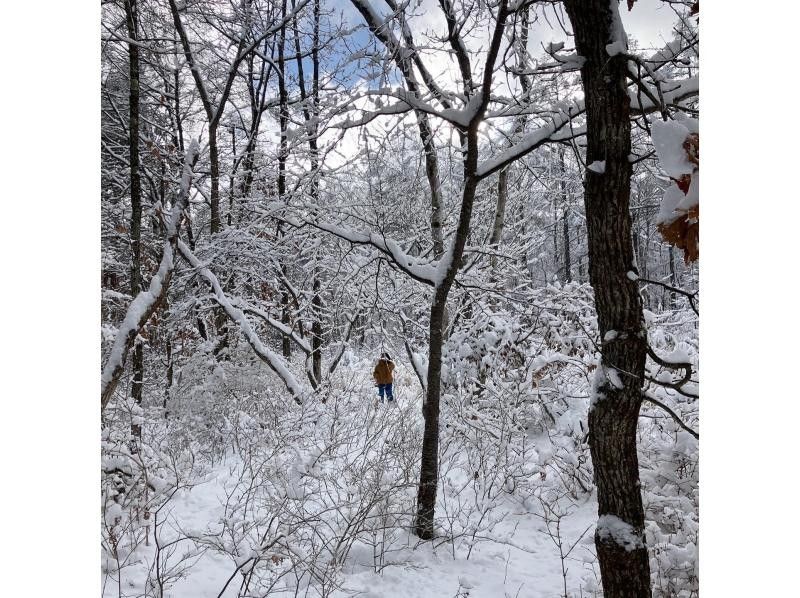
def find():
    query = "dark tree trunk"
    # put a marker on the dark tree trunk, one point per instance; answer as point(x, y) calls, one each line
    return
point(614, 415)
point(316, 330)
point(170, 376)
point(136, 197)
point(316, 301)
point(232, 178)
point(429, 472)
point(286, 320)
point(213, 112)
point(213, 152)
point(283, 118)
point(178, 119)
point(257, 107)
point(565, 203)
point(310, 114)
point(567, 250)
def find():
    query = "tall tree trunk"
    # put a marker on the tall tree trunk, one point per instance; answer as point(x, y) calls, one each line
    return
point(310, 114)
point(213, 111)
point(213, 153)
point(613, 418)
point(170, 376)
point(429, 468)
point(429, 471)
point(257, 108)
point(131, 18)
point(432, 174)
point(283, 120)
point(316, 329)
point(316, 301)
point(521, 53)
point(567, 250)
point(177, 92)
point(565, 204)
point(286, 320)
point(232, 178)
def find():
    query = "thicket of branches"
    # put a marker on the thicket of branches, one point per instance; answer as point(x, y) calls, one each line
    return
point(289, 189)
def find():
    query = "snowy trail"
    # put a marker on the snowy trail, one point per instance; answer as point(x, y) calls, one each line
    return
point(493, 570)
point(523, 562)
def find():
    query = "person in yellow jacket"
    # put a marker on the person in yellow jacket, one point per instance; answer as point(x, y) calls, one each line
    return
point(383, 377)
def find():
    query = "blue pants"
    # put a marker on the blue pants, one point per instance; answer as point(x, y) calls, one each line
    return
point(387, 388)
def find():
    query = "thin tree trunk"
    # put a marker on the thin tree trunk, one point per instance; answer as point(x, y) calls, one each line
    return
point(286, 320)
point(316, 301)
point(257, 107)
point(310, 114)
point(232, 178)
point(316, 330)
point(177, 92)
point(283, 120)
point(499, 215)
point(131, 18)
point(429, 469)
point(565, 204)
point(170, 376)
point(614, 415)
point(567, 255)
point(213, 112)
point(213, 152)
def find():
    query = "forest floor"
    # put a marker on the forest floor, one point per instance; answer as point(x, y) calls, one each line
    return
point(525, 565)
point(518, 557)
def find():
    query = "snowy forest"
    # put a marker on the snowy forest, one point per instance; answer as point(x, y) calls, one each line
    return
point(399, 298)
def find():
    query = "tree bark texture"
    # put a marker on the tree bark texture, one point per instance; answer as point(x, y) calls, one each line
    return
point(614, 415)
point(136, 197)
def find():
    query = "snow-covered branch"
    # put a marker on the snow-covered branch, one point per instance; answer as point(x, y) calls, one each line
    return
point(275, 362)
point(672, 414)
point(530, 141)
point(146, 302)
point(427, 272)
point(672, 92)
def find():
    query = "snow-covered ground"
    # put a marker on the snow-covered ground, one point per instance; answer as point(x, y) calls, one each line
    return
point(241, 492)
point(492, 543)
point(525, 562)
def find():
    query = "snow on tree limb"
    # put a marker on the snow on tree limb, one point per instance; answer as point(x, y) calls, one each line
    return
point(673, 92)
point(529, 142)
point(275, 363)
point(303, 344)
point(276, 324)
point(427, 272)
point(671, 413)
point(146, 302)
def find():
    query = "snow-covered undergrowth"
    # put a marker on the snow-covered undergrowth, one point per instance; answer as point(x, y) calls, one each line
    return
point(241, 492)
